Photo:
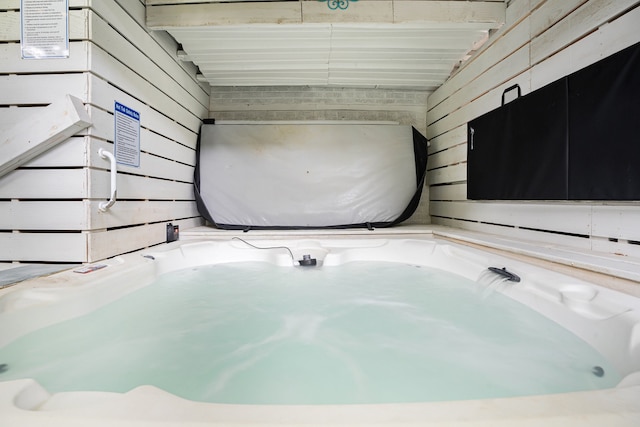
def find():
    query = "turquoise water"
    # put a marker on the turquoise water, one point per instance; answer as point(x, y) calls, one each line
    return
point(254, 333)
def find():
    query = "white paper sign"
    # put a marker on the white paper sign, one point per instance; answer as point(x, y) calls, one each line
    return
point(44, 29)
point(127, 135)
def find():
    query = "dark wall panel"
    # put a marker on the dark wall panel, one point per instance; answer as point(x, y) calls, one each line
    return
point(604, 126)
point(577, 138)
point(519, 151)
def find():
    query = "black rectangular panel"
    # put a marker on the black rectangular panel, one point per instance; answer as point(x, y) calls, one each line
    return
point(604, 115)
point(519, 151)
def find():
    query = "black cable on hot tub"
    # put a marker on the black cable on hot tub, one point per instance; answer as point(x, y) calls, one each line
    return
point(293, 260)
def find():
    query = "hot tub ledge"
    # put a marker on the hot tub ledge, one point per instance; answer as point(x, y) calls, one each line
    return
point(25, 394)
point(633, 379)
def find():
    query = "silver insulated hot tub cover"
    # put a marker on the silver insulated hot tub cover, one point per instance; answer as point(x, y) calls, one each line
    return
point(251, 176)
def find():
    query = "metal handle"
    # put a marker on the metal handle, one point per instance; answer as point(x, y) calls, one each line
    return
point(510, 88)
point(471, 131)
point(103, 206)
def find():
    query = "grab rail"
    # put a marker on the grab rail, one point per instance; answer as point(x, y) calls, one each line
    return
point(103, 206)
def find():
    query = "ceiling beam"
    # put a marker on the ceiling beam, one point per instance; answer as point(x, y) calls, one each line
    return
point(485, 14)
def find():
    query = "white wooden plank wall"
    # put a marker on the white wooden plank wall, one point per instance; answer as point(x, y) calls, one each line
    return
point(49, 207)
point(541, 42)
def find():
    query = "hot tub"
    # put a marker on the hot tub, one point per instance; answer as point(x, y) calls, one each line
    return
point(606, 320)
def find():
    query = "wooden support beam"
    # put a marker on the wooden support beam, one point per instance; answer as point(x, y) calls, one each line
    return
point(215, 14)
point(489, 14)
point(35, 135)
point(485, 14)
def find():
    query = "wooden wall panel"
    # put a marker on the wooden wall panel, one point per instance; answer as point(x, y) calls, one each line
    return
point(38, 247)
point(540, 42)
point(24, 184)
point(146, 57)
point(77, 61)
point(43, 89)
point(447, 174)
point(139, 212)
point(103, 96)
point(509, 232)
point(154, 42)
point(49, 207)
point(10, 24)
point(123, 77)
point(567, 219)
point(151, 141)
point(449, 192)
point(43, 215)
point(106, 244)
point(69, 153)
point(136, 187)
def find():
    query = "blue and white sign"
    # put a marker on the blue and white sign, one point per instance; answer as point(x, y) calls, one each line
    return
point(127, 135)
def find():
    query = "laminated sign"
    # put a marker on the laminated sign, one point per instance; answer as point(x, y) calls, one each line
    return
point(44, 29)
point(127, 135)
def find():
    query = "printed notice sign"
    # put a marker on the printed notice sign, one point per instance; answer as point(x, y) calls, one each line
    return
point(44, 29)
point(127, 135)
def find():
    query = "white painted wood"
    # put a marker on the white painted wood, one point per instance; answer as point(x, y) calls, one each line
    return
point(519, 10)
point(43, 215)
point(136, 68)
point(106, 244)
point(620, 248)
point(499, 77)
point(156, 68)
point(590, 16)
point(121, 76)
point(10, 61)
point(487, 102)
point(448, 139)
point(455, 173)
point(178, 14)
point(139, 212)
point(450, 156)
point(164, 2)
point(42, 88)
point(15, 114)
point(27, 139)
point(150, 141)
point(103, 95)
point(207, 14)
point(506, 41)
point(162, 40)
point(449, 12)
point(565, 218)
point(155, 40)
point(619, 222)
point(82, 152)
point(608, 39)
point(43, 247)
point(135, 187)
point(448, 192)
point(318, 12)
point(150, 165)
point(550, 13)
point(44, 184)
point(15, 4)
point(72, 152)
point(542, 240)
point(10, 25)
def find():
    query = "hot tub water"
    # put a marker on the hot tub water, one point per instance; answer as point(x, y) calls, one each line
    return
point(255, 333)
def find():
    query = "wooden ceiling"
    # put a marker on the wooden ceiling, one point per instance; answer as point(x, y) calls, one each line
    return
point(410, 44)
